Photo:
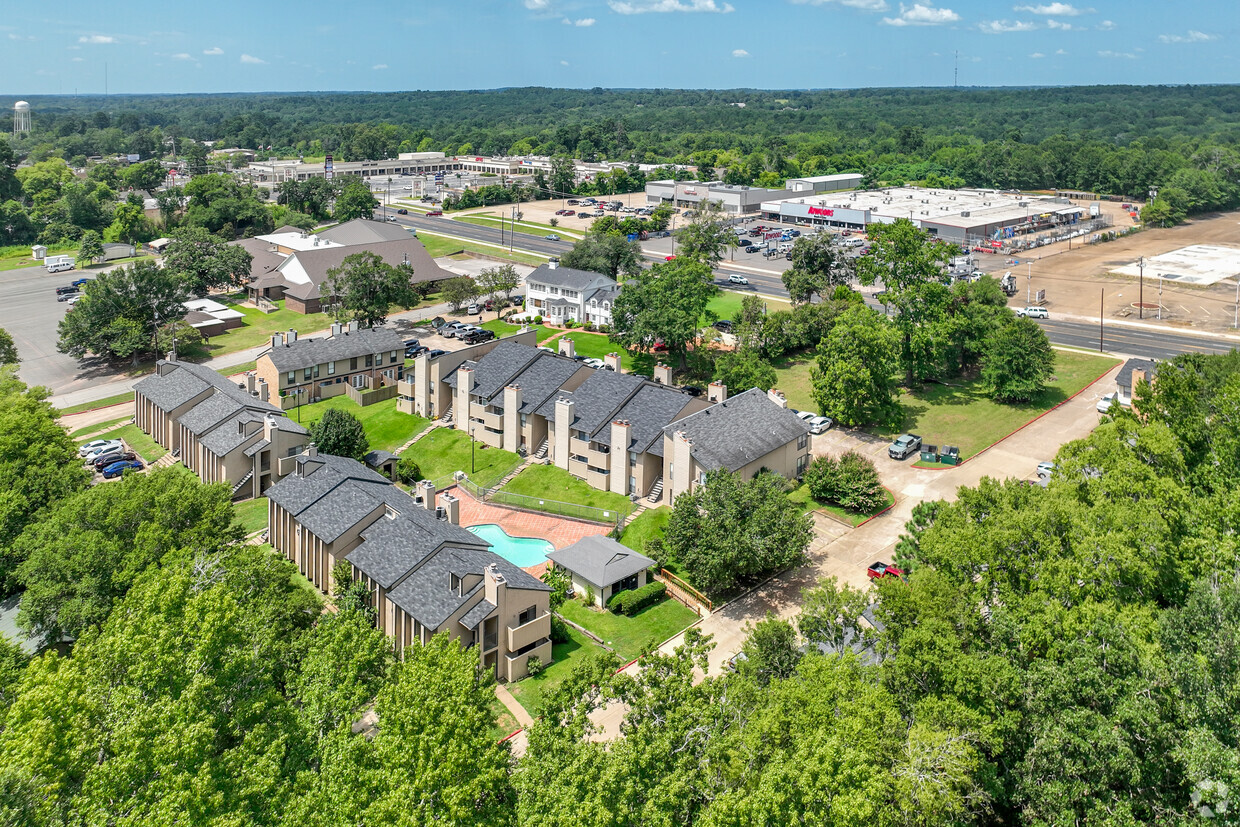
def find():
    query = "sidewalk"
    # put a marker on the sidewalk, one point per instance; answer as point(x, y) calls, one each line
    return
point(106, 389)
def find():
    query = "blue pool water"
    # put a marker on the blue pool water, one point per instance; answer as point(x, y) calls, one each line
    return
point(520, 551)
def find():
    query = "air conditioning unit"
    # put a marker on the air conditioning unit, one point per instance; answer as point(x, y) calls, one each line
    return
point(965, 214)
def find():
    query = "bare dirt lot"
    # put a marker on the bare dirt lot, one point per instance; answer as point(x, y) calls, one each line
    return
point(1076, 281)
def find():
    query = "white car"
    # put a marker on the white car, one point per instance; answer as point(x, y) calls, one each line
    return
point(593, 363)
point(819, 424)
point(1034, 312)
point(95, 453)
point(1045, 469)
point(97, 446)
point(1105, 403)
point(735, 279)
point(805, 416)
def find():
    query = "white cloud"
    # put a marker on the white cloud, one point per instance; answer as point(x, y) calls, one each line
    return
point(378, 66)
point(181, 56)
point(1193, 36)
point(96, 38)
point(563, 62)
point(1037, 55)
point(214, 50)
point(1061, 26)
point(1003, 26)
point(739, 53)
point(582, 22)
point(921, 15)
point(1106, 25)
point(1109, 53)
point(1060, 9)
point(866, 5)
point(663, 6)
point(538, 5)
point(251, 59)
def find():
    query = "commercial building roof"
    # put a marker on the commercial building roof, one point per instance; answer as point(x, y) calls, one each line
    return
point(304, 271)
point(344, 344)
point(364, 231)
point(600, 560)
point(736, 432)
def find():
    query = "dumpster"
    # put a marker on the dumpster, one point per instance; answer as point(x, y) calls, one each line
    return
point(929, 453)
point(950, 455)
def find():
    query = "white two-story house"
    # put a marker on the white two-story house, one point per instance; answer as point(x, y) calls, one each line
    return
point(562, 294)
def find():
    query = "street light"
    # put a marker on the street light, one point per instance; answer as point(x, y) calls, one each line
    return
point(1160, 297)
point(1141, 294)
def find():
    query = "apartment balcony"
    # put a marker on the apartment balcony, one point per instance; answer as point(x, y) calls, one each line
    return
point(599, 456)
point(579, 447)
point(524, 635)
point(598, 478)
point(493, 421)
point(577, 466)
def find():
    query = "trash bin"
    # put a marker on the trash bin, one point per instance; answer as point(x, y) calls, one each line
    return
point(950, 455)
point(929, 453)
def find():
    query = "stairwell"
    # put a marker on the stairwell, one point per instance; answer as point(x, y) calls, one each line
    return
point(656, 491)
point(446, 418)
point(541, 453)
point(249, 475)
point(167, 460)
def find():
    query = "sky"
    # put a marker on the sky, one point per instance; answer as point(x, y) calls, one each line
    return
point(230, 46)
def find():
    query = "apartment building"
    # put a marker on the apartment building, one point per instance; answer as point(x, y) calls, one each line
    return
point(221, 431)
point(566, 294)
point(302, 370)
point(424, 574)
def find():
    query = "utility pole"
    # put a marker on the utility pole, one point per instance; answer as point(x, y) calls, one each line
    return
point(1160, 297)
point(1141, 293)
point(1029, 285)
point(1101, 313)
point(1235, 318)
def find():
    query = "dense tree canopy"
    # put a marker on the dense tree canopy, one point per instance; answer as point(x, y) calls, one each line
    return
point(364, 288)
point(120, 311)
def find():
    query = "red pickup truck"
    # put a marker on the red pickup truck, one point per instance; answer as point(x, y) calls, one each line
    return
point(879, 570)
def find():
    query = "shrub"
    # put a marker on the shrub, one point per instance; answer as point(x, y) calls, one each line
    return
point(604, 328)
point(821, 477)
point(534, 665)
point(569, 324)
point(851, 481)
point(588, 327)
point(559, 630)
point(538, 319)
point(633, 601)
point(588, 597)
point(408, 470)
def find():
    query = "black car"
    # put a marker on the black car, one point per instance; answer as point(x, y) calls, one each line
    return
point(411, 352)
point(723, 326)
point(477, 336)
point(438, 322)
point(402, 211)
point(67, 290)
point(692, 390)
point(435, 353)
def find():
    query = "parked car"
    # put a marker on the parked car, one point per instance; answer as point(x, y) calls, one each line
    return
point(474, 309)
point(433, 213)
point(67, 289)
point(692, 390)
point(805, 416)
point(1105, 403)
point(593, 363)
point(113, 456)
point(820, 424)
point(411, 352)
point(64, 297)
point(412, 342)
point(81, 282)
point(734, 662)
point(551, 237)
point(452, 329)
point(737, 279)
point(1033, 312)
point(1046, 469)
point(435, 353)
point(473, 337)
point(438, 322)
point(97, 445)
point(904, 445)
point(879, 570)
point(723, 325)
point(118, 468)
point(94, 454)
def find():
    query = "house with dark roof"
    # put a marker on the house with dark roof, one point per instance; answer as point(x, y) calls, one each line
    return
point(305, 258)
point(222, 431)
point(424, 574)
point(1131, 374)
point(567, 294)
point(745, 434)
point(602, 567)
point(302, 370)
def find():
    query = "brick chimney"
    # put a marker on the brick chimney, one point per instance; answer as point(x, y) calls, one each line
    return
point(662, 374)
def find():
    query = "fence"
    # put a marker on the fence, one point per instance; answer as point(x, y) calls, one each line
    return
point(685, 593)
point(370, 397)
point(524, 502)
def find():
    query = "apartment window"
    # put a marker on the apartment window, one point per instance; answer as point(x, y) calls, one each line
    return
point(523, 420)
point(359, 381)
point(632, 459)
point(456, 584)
point(802, 463)
point(527, 615)
point(331, 368)
point(307, 374)
point(555, 291)
point(370, 360)
point(802, 441)
point(292, 377)
point(353, 363)
point(392, 360)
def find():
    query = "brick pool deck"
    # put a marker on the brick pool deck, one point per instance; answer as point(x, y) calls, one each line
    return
point(558, 531)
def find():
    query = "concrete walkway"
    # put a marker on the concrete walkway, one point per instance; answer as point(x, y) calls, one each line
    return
point(518, 711)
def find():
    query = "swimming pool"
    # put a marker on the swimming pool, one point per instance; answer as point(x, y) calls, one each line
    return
point(520, 551)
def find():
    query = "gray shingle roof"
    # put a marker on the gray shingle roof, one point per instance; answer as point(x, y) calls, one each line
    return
point(648, 412)
point(568, 277)
point(387, 553)
point(256, 447)
point(316, 263)
point(600, 560)
point(497, 368)
point(543, 378)
point(227, 436)
point(210, 412)
point(477, 614)
point(365, 231)
point(186, 381)
point(427, 593)
point(377, 457)
point(305, 353)
point(734, 433)
point(597, 399)
point(263, 260)
point(1124, 378)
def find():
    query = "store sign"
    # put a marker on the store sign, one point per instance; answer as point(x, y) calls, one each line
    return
point(690, 191)
point(821, 211)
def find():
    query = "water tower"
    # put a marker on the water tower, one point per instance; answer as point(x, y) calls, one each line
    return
point(21, 117)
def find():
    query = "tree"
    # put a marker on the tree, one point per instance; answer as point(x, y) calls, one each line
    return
point(818, 267)
point(120, 310)
point(498, 281)
point(170, 202)
point(85, 554)
point(608, 253)
point(664, 303)
point(1018, 362)
point(771, 650)
point(148, 175)
point(851, 481)
point(364, 287)
point(38, 465)
point(128, 225)
point(742, 369)
point(340, 434)
point(563, 175)
point(458, 292)
point(203, 262)
point(8, 349)
point(831, 615)
point(729, 531)
point(853, 374)
point(90, 248)
point(561, 584)
point(706, 235)
point(355, 200)
point(223, 205)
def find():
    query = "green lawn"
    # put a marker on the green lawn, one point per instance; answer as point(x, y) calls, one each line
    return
point(258, 326)
point(807, 503)
point(645, 527)
point(792, 377)
point(98, 426)
point(503, 723)
point(18, 256)
point(962, 415)
point(120, 398)
point(550, 483)
point(628, 636)
point(531, 693)
point(386, 427)
point(597, 345)
point(727, 305)
point(438, 245)
point(502, 328)
point(244, 367)
point(137, 441)
point(252, 514)
point(445, 451)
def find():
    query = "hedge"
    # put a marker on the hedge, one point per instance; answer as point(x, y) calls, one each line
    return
point(633, 601)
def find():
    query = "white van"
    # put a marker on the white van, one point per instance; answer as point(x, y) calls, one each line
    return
point(56, 264)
